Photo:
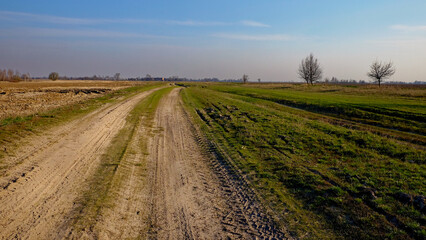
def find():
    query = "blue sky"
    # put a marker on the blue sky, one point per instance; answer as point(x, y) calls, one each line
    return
point(224, 39)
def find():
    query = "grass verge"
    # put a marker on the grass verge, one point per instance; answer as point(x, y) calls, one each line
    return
point(324, 181)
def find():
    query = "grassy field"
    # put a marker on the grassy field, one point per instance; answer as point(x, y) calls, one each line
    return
point(331, 161)
point(392, 107)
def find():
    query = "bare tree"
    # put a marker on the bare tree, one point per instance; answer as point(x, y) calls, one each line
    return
point(310, 70)
point(16, 77)
point(173, 78)
point(3, 75)
point(10, 74)
point(117, 76)
point(245, 78)
point(25, 76)
point(380, 71)
point(53, 76)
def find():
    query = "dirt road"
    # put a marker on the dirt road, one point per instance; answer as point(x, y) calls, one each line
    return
point(36, 194)
point(167, 186)
point(192, 195)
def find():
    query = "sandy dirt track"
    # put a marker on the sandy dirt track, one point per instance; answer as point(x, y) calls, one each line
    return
point(191, 195)
point(35, 195)
point(168, 185)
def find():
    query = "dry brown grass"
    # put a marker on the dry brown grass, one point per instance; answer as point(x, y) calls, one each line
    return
point(24, 98)
point(408, 90)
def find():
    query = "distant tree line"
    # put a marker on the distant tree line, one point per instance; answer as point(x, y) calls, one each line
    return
point(182, 79)
point(335, 80)
point(13, 75)
point(415, 82)
point(309, 70)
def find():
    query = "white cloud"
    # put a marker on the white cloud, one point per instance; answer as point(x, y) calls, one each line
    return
point(253, 24)
point(21, 16)
point(196, 23)
point(255, 37)
point(212, 23)
point(45, 18)
point(414, 28)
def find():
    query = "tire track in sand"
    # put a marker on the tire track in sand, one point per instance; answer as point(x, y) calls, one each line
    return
point(125, 216)
point(35, 202)
point(192, 193)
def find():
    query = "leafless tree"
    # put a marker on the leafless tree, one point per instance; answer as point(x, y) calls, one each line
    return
point(16, 77)
point(10, 74)
point(245, 78)
point(173, 78)
point(310, 70)
point(25, 76)
point(117, 76)
point(3, 75)
point(380, 71)
point(53, 76)
point(258, 80)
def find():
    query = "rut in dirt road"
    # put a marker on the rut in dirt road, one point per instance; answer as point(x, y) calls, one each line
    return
point(37, 194)
point(193, 195)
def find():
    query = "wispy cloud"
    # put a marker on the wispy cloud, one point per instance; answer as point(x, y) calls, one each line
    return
point(22, 16)
point(247, 23)
point(412, 28)
point(90, 33)
point(253, 24)
point(196, 23)
point(255, 37)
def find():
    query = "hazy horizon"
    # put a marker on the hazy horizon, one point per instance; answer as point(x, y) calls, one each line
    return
point(223, 39)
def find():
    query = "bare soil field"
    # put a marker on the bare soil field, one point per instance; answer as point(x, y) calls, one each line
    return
point(167, 183)
point(24, 98)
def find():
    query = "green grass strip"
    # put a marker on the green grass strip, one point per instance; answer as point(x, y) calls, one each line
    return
point(391, 111)
point(326, 180)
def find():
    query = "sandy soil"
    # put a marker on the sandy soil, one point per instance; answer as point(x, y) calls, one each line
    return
point(167, 186)
point(24, 98)
point(35, 195)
